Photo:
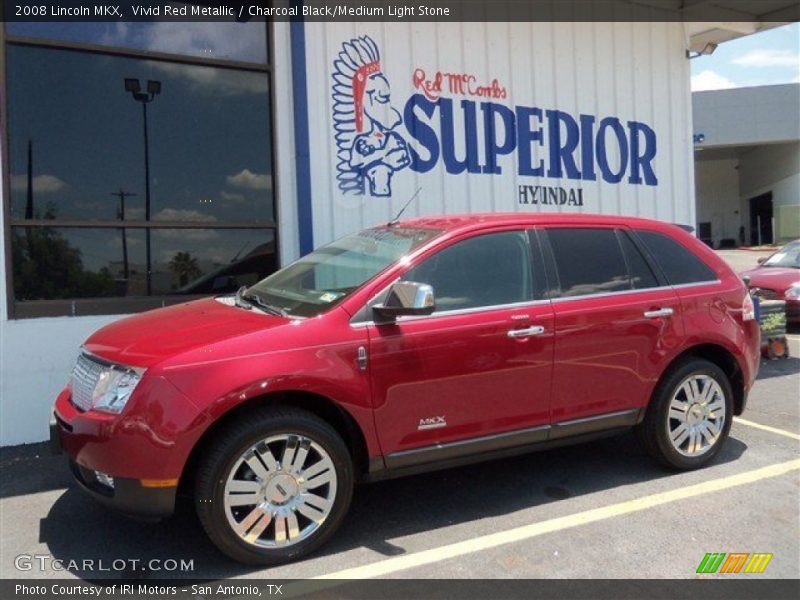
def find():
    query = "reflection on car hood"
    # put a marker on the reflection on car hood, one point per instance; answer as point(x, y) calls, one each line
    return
point(774, 278)
point(146, 339)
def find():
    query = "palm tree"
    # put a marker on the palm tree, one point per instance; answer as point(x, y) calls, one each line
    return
point(184, 265)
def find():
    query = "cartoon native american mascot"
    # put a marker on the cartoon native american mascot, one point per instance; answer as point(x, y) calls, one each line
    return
point(369, 150)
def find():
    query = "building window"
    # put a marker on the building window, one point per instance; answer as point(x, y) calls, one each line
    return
point(137, 179)
point(230, 41)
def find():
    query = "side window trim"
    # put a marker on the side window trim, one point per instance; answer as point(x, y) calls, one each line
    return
point(551, 270)
point(540, 273)
point(649, 258)
point(627, 257)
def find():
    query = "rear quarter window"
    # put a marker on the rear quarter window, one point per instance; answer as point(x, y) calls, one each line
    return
point(679, 264)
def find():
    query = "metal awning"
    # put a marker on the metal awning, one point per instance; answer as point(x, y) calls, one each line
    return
point(718, 21)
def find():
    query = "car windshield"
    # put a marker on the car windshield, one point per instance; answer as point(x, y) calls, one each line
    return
point(786, 257)
point(324, 278)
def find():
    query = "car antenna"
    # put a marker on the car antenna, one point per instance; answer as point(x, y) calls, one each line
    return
point(396, 220)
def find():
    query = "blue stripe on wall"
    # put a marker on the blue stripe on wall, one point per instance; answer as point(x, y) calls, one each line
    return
point(305, 217)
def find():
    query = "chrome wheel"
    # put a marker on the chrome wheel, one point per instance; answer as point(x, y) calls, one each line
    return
point(280, 491)
point(696, 416)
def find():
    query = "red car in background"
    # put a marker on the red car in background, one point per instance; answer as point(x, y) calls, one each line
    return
point(408, 347)
point(778, 278)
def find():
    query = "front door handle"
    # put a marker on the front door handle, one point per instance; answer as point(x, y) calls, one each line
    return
point(661, 312)
point(527, 332)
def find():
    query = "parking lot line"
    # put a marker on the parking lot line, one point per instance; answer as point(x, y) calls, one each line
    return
point(425, 557)
point(775, 430)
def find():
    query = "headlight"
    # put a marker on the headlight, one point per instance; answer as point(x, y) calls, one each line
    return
point(793, 293)
point(114, 387)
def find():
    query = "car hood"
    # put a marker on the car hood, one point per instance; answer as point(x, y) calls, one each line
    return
point(148, 338)
point(773, 278)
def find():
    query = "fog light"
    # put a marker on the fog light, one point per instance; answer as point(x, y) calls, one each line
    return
point(104, 479)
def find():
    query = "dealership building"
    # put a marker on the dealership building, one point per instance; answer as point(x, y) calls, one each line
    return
point(144, 164)
point(747, 170)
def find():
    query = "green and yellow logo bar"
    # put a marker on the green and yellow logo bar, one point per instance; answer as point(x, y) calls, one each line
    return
point(734, 562)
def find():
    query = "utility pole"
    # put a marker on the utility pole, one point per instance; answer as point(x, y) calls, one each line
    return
point(122, 195)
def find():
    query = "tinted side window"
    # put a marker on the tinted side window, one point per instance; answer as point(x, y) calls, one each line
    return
point(679, 264)
point(588, 261)
point(642, 275)
point(487, 270)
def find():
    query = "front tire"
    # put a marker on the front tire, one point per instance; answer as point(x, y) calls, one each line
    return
point(689, 417)
point(274, 486)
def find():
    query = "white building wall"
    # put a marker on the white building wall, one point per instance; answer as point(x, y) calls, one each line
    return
point(37, 358)
point(286, 151)
point(635, 72)
point(718, 197)
point(761, 167)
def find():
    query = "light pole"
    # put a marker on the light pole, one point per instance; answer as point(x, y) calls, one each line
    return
point(122, 195)
point(133, 86)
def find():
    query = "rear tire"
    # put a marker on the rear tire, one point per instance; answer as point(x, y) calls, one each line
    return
point(689, 416)
point(274, 486)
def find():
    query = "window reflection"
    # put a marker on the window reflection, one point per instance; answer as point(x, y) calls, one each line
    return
point(57, 263)
point(210, 261)
point(488, 270)
point(70, 262)
point(246, 42)
point(589, 261)
point(76, 140)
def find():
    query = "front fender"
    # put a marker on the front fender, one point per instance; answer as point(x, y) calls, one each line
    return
point(319, 358)
point(346, 399)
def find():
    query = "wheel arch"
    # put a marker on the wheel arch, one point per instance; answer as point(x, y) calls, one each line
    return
point(325, 408)
point(725, 360)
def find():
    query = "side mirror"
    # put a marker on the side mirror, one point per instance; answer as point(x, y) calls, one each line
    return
point(406, 298)
point(746, 279)
point(762, 259)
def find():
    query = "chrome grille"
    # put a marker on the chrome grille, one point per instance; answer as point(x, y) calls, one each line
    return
point(84, 379)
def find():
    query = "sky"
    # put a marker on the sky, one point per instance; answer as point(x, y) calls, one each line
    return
point(765, 58)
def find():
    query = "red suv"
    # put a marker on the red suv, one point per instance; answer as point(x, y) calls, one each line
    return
point(412, 346)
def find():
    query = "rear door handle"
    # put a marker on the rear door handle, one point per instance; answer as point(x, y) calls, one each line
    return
point(661, 312)
point(527, 332)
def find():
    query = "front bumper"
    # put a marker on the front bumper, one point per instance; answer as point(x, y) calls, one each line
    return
point(145, 449)
point(128, 496)
point(55, 437)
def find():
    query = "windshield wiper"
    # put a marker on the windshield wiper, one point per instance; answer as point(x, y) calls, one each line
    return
point(255, 300)
point(239, 301)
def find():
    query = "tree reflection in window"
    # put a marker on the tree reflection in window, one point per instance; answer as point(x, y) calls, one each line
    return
point(184, 265)
point(47, 266)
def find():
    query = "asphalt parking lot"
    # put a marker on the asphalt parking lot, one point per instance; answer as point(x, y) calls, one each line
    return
point(598, 510)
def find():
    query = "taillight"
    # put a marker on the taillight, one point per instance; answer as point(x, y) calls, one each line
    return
point(748, 308)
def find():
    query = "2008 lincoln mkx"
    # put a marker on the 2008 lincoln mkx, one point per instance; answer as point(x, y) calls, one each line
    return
point(407, 347)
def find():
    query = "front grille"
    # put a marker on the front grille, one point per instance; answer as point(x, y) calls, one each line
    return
point(84, 379)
